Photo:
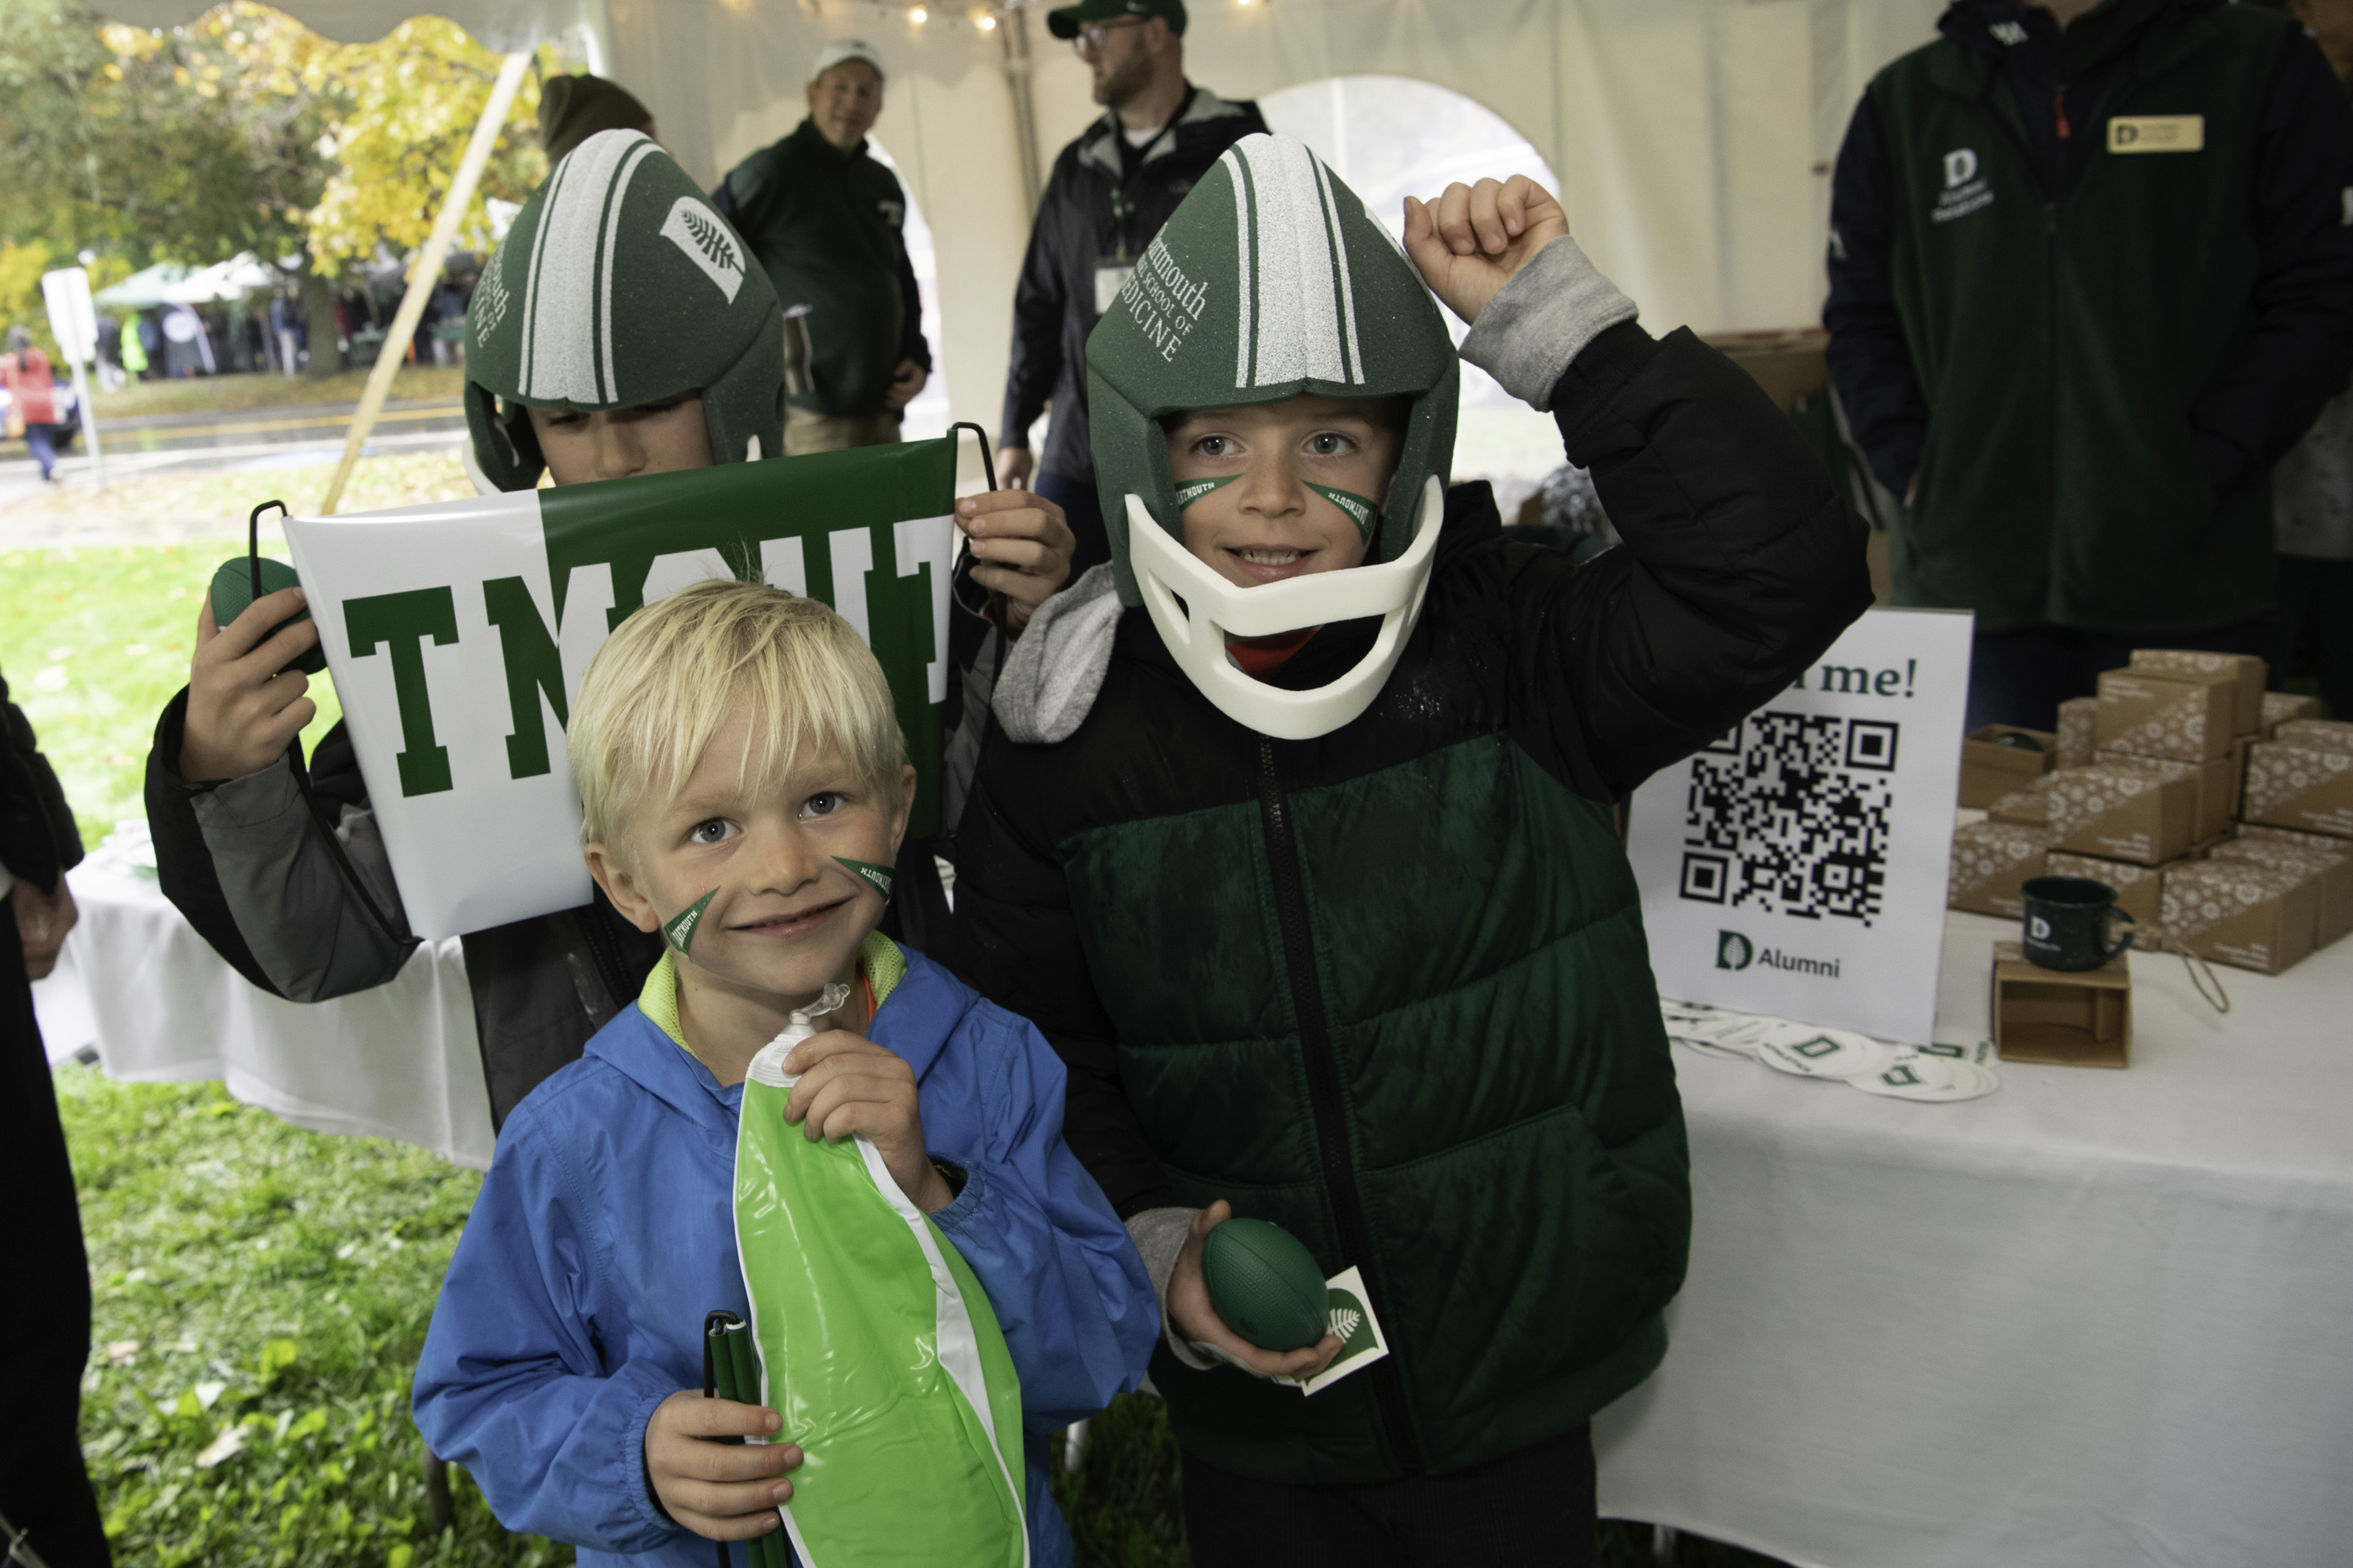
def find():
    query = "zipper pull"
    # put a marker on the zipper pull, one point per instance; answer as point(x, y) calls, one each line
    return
point(2059, 107)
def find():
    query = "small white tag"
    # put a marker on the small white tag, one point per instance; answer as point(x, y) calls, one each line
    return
point(1109, 281)
point(1361, 1340)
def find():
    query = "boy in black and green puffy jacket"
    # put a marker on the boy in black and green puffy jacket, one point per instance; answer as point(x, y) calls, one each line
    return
point(1308, 868)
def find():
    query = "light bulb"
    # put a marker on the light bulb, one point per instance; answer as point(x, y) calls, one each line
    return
point(984, 22)
point(919, 14)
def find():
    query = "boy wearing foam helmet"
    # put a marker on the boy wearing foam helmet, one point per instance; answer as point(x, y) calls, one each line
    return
point(618, 330)
point(1298, 839)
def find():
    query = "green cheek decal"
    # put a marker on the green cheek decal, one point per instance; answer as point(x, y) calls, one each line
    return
point(1186, 494)
point(878, 876)
point(679, 931)
point(1362, 512)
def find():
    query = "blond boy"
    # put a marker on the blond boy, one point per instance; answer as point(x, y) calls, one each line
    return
point(745, 789)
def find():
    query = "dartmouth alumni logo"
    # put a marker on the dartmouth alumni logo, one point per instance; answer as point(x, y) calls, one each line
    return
point(1735, 952)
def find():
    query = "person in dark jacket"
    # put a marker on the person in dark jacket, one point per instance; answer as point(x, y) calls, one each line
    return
point(828, 224)
point(45, 1501)
point(1110, 191)
point(1295, 837)
point(574, 107)
point(262, 853)
point(2091, 275)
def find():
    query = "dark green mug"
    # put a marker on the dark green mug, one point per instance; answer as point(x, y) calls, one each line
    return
point(2067, 922)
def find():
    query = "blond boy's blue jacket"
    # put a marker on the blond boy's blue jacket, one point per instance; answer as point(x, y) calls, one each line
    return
point(606, 1230)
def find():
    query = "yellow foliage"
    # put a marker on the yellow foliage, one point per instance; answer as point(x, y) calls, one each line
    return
point(21, 267)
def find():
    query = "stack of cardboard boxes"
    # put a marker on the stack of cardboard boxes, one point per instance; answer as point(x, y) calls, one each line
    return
point(2222, 814)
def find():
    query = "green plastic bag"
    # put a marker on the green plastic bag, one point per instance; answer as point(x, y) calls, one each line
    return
point(876, 1345)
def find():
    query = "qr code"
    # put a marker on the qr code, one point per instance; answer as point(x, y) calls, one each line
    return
point(1788, 814)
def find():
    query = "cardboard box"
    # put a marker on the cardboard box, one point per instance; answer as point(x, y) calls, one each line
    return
point(2309, 788)
point(2079, 1020)
point(2330, 870)
point(2186, 717)
point(2236, 912)
point(2328, 734)
point(2239, 774)
point(2279, 707)
point(2139, 890)
point(1991, 862)
point(2261, 833)
point(2210, 779)
point(2123, 814)
point(1990, 770)
point(2247, 703)
point(2079, 723)
point(2029, 804)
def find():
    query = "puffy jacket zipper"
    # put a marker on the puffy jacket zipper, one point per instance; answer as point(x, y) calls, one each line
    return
point(1323, 1080)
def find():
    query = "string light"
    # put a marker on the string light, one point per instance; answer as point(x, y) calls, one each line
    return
point(919, 16)
point(984, 22)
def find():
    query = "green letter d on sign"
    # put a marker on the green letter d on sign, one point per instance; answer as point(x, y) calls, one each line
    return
point(400, 623)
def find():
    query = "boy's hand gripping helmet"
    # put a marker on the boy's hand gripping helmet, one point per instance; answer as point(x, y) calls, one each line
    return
point(618, 286)
point(1271, 281)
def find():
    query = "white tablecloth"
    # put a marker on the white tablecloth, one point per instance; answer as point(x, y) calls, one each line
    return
point(399, 1061)
point(2099, 1319)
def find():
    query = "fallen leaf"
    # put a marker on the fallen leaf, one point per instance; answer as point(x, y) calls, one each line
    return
point(230, 1442)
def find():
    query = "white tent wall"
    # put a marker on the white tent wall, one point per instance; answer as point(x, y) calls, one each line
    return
point(1692, 138)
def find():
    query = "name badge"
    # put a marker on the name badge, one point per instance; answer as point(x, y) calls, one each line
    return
point(2157, 133)
point(1109, 281)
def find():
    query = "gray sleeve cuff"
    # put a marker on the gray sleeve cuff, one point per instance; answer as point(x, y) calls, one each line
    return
point(1540, 321)
point(248, 801)
point(1159, 1234)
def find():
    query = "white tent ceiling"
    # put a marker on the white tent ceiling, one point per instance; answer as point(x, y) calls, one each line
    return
point(1692, 138)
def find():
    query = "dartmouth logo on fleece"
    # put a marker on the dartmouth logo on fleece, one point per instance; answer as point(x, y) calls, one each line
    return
point(457, 634)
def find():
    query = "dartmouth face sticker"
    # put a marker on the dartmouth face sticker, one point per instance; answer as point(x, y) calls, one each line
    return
point(679, 931)
point(1361, 512)
point(878, 877)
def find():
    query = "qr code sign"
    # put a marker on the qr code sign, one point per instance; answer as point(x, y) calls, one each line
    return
point(1788, 814)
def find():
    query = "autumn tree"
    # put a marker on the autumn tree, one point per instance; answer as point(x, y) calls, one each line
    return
point(242, 130)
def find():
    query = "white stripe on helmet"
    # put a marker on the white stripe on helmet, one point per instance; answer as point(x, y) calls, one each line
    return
point(564, 309)
point(1298, 315)
point(1232, 159)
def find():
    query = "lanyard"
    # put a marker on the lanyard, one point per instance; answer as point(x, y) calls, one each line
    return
point(1122, 206)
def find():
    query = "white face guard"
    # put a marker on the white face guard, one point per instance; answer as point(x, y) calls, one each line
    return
point(1214, 609)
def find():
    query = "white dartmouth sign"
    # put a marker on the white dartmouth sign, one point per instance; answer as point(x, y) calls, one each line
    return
point(458, 635)
point(1797, 866)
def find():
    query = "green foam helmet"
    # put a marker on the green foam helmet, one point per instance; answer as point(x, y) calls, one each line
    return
point(1269, 280)
point(617, 286)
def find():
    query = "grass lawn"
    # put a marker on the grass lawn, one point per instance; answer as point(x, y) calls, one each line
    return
point(203, 393)
point(174, 507)
point(94, 642)
point(261, 1294)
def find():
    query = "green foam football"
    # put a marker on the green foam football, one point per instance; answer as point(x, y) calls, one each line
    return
point(1265, 1284)
point(232, 591)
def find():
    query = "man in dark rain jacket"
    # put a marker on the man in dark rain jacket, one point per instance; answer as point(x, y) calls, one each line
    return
point(1111, 191)
point(2090, 277)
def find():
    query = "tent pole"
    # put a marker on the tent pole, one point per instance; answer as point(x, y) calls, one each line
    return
point(427, 271)
point(1016, 32)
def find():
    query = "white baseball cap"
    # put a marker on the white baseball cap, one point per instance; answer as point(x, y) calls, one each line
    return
point(841, 49)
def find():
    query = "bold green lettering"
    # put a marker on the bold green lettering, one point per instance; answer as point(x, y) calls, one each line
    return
point(1846, 677)
point(399, 624)
point(1886, 683)
point(533, 667)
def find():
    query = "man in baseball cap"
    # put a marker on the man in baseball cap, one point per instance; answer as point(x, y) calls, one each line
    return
point(825, 223)
point(1070, 21)
point(1110, 191)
